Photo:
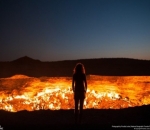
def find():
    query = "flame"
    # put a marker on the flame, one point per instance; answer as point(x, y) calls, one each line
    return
point(104, 92)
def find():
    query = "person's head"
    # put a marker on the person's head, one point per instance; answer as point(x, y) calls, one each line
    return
point(79, 68)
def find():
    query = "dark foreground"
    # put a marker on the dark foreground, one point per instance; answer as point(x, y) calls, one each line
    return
point(64, 119)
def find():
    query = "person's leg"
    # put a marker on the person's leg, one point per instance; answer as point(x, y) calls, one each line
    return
point(81, 108)
point(76, 110)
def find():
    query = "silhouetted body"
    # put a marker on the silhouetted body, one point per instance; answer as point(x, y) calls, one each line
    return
point(79, 86)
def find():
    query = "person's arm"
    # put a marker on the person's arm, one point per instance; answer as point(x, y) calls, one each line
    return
point(85, 84)
point(73, 83)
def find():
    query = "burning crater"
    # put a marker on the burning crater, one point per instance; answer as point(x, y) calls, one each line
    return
point(21, 92)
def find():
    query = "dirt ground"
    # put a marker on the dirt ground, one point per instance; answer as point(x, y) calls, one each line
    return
point(64, 119)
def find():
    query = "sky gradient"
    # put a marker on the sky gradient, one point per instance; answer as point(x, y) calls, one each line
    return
point(52, 30)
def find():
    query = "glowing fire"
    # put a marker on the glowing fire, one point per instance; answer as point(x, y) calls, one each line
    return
point(104, 92)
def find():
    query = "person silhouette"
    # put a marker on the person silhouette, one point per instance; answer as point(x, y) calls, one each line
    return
point(79, 87)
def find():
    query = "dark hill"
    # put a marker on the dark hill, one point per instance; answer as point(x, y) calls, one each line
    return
point(102, 66)
point(25, 59)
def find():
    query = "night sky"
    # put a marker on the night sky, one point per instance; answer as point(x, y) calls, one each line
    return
point(52, 30)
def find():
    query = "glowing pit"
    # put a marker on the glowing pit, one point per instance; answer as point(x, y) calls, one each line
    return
point(21, 92)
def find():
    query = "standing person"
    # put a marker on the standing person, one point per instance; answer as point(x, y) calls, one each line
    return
point(79, 87)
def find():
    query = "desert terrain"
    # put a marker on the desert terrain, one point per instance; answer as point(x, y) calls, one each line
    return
point(102, 66)
point(130, 117)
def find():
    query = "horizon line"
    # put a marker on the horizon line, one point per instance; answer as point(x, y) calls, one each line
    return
point(77, 59)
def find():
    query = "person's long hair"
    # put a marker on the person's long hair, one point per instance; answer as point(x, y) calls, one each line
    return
point(79, 68)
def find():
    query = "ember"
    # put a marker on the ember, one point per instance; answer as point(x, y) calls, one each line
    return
point(104, 92)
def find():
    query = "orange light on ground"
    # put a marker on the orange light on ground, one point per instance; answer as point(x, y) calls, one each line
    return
point(21, 92)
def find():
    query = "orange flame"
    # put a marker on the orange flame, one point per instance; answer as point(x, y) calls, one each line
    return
point(104, 92)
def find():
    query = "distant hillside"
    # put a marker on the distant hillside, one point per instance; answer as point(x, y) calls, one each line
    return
point(26, 59)
point(103, 66)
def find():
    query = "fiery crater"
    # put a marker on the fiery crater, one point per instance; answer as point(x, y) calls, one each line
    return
point(21, 92)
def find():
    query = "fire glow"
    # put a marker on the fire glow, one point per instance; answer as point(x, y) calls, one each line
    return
point(21, 92)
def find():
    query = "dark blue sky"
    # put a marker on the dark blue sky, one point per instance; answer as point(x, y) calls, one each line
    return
point(51, 30)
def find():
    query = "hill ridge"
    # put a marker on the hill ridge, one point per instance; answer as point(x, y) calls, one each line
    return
point(25, 59)
point(98, 66)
